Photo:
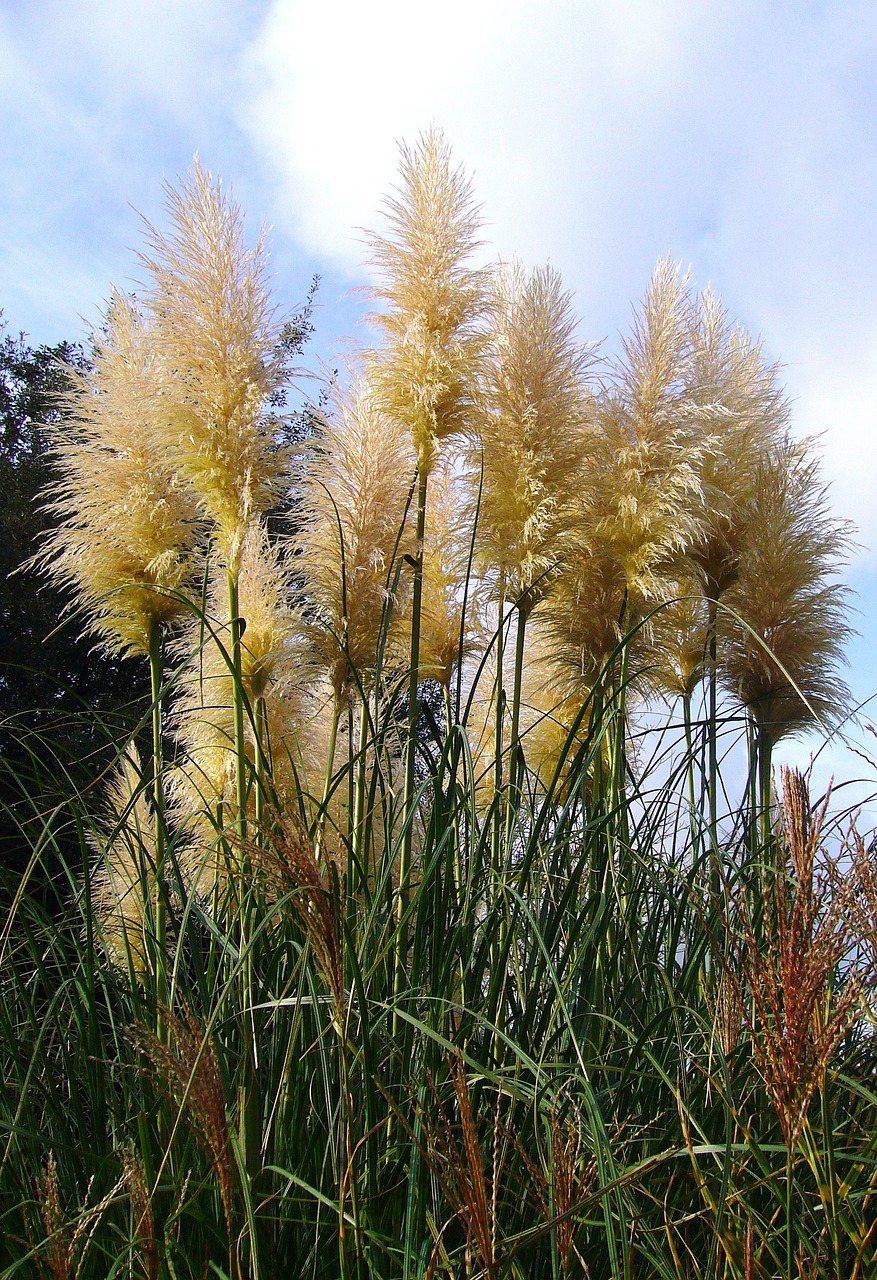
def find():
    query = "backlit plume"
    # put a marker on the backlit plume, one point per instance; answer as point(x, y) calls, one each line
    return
point(215, 327)
point(352, 511)
point(123, 880)
point(433, 299)
point(536, 429)
point(782, 663)
point(125, 540)
point(646, 488)
point(743, 415)
point(274, 676)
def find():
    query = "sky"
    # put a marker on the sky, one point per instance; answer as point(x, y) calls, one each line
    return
point(739, 137)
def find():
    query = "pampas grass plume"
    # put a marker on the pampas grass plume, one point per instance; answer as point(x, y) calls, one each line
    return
point(124, 544)
point(536, 430)
point(123, 881)
point(274, 670)
point(217, 332)
point(781, 660)
point(433, 300)
point(352, 514)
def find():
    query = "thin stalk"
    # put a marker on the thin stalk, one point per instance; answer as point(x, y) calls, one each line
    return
point(411, 741)
point(248, 1098)
point(689, 772)
point(330, 771)
point(712, 730)
point(499, 717)
point(831, 1176)
point(791, 1273)
point(515, 756)
point(261, 763)
point(234, 623)
point(359, 797)
point(160, 921)
point(764, 749)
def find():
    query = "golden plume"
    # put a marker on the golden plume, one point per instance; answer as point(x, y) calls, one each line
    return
point(274, 675)
point(676, 646)
point(640, 494)
point(445, 641)
point(216, 328)
point(781, 660)
point(433, 301)
point(123, 880)
point(124, 544)
point(352, 537)
point(536, 429)
point(743, 414)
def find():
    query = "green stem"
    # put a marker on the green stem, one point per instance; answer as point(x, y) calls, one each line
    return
point(261, 764)
point(689, 771)
point(411, 741)
point(234, 623)
point(515, 754)
point(712, 736)
point(357, 834)
point(158, 811)
point(831, 1177)
point(249, 1102)
point(764, 749)
point(499, 718)
point(330, 773)
point(790, 1214)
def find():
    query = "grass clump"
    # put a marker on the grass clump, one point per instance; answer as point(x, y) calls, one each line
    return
point(425, 935)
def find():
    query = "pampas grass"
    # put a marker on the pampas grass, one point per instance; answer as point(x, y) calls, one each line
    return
point(448, 957)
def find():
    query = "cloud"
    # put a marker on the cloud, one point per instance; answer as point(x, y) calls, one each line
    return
point(603, 134)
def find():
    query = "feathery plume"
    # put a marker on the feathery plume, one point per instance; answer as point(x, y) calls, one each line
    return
point(123, 882)
point(424, 373)
point(677, 643)
point(536, 430)
point(583, 619)
point(124, 543)
point(141, 1207)
point(743, 414)
point(274, 677)
point(352, 535)
point(60, 1250)
point(216, 330)
point(781, 660)
point(640, 493)
point(645, 491)
point(445, 564)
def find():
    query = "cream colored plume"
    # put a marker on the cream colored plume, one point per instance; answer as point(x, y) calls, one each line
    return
point(355, 488)
point(125, 541)
point(123, 880)
point(434, 301)
point(536, 431)
point(677, 642)
point(743, 415)
point(216, 328)
point(445, 561)
point(645, 495)
point(275, 675)
point(782, 659)
point(583, 617)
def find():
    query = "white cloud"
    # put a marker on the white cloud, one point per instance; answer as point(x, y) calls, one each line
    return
point(603, 134)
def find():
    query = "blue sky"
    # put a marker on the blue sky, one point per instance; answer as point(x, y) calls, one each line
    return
point(739, 137)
